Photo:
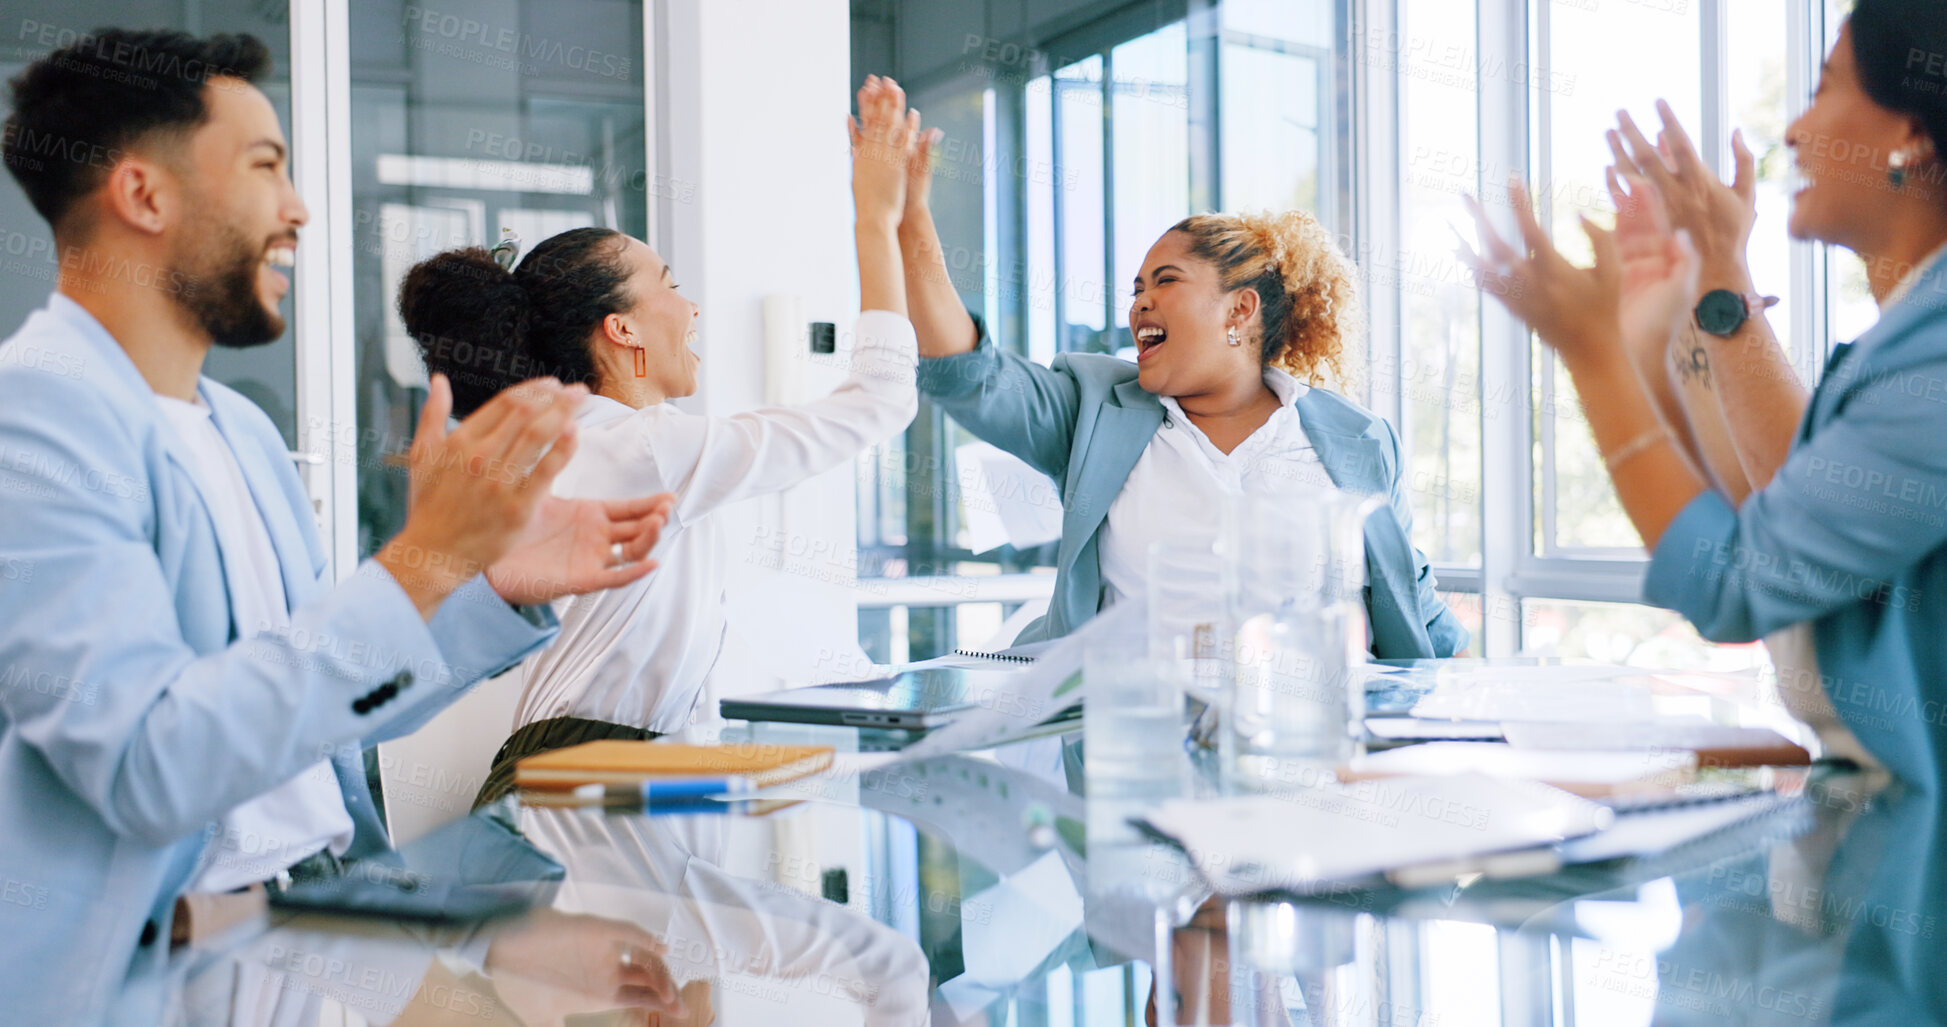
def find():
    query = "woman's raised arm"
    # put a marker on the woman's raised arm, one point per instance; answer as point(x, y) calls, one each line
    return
point(883, 137)
point(939, 318)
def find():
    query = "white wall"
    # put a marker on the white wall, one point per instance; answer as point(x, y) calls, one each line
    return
point(755, 107)
point(755, 104)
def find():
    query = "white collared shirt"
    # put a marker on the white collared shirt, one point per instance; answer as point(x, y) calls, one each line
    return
point(303, 815)
point(1177, 487)
point(639, 655)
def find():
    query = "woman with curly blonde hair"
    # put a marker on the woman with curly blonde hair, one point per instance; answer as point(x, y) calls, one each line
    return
point(1232, 317)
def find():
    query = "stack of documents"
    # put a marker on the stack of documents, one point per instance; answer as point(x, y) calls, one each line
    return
point(1584, 710)
point(1590, 773)
point(1408, 830)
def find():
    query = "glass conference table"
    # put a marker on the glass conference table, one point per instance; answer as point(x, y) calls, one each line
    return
point(982, 889)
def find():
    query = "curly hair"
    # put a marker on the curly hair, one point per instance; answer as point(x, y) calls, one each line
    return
point(1308, 315)
point(486, 329)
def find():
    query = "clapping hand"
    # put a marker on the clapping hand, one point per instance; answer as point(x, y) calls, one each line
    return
point(1573, 309)
point(1659, 268)
point(479, 502)
point(551, 965)
point(574, 546)
point(1718, 217)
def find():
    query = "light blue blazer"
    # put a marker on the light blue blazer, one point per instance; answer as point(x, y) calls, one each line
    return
point(132, 715)
point(1085, 422)
point(1848, 535)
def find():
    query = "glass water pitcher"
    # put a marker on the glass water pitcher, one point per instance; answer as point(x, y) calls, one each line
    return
point(1293, 704)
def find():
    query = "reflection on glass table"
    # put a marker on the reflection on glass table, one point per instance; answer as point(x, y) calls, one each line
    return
point(985, 889)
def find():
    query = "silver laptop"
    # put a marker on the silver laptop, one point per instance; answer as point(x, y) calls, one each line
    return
point(916, 700)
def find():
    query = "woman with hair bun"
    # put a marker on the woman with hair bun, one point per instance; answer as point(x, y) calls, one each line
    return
point(594, 305)
point(1231, 315)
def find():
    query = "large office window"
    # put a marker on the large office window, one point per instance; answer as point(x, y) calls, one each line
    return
point(1082, 153)
point(1576, 511)
point(1438, 372)
point(1276, 120)
point(1149, 166)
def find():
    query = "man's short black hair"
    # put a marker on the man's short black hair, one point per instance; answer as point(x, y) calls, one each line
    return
point(78, 109)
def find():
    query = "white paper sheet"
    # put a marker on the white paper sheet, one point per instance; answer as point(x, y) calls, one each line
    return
point(1308, 840)
point(1556, 694)
point(1010, 928)
point(1005, 500)
point(1582, 766)
point(1027, 697)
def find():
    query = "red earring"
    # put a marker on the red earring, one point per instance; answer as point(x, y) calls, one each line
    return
point(641, 363)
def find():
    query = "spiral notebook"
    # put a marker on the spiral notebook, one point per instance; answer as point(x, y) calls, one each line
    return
point(1027, 652)
point(993, 656)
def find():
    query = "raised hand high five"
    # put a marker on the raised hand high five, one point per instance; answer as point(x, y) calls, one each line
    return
point(1744, 382)
point(919, 171)
point(884, 137)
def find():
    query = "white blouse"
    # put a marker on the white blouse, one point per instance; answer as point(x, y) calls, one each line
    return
point(1177, 488)
point(639, 655)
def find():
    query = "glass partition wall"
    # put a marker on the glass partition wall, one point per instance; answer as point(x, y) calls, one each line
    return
point(519, 115)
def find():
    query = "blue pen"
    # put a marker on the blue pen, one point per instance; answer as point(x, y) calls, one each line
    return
point(689, 791)
point(680, 790)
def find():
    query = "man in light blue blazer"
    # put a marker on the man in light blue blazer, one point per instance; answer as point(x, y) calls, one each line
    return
point(136, 709)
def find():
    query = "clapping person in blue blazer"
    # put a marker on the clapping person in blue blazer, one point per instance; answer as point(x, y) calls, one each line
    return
point(184, 694)
point(1234, 319)
point(1817, 522)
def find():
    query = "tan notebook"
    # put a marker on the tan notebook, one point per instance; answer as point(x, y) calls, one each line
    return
point(622, 762)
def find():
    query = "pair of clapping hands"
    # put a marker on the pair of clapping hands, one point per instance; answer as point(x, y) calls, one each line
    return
point(1674, 217)
point(480, 502)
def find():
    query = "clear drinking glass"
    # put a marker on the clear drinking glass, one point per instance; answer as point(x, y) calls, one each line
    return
point(1295, 571)
point(1132, 720)
point(1188, 614)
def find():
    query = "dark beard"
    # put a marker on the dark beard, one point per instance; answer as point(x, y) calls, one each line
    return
point(220, 290)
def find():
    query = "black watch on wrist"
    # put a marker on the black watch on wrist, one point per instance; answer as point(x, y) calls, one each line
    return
point(1722, 312)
